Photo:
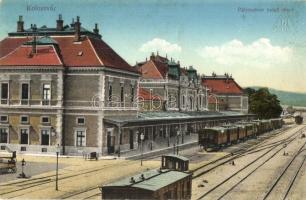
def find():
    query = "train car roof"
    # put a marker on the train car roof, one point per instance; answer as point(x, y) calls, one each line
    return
point(229, 126)
point(215, 128)
point(152, 180)
point(246, 123)
point(177, 156)
point(240, 125)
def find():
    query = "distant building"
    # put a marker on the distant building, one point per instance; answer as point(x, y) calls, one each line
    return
point(180, 89)
point(225, 94)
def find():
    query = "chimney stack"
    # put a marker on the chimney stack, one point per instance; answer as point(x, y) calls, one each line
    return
point(77, 27)
point(59, 23)
point(20, 24)
point(152, 57)
point(96, 29)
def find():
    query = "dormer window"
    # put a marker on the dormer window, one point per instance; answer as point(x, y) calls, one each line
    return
point(80, 53)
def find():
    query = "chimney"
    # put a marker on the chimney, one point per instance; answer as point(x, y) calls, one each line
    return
point(34, 49)
point(96, 29)
point(59, 23)
point(20, 24)
point(152, 57)
point(77, 27)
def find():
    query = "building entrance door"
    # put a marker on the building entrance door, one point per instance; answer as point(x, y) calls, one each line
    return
point(110, 143)
point(45, 137)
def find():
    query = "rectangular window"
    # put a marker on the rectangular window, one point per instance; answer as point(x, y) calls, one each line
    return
point(80, 138)
point(46, 94)
point(110, 92)
point(24, 136)
point(3, 135)
point(45, 137)
point(45, 120)
point(4, 93)
point(80, 121)
point(24, 119)
point(122, 94)
point(132, 93)
point(25, 93)
point(3, 119)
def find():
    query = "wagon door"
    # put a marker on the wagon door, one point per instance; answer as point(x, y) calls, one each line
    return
point(228, 136)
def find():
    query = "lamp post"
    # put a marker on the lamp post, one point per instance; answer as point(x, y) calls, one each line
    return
point(141, 143)
point(22, 175)
point(56, 178)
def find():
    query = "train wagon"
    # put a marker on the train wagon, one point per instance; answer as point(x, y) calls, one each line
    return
point(241, 131)
point(277, 123)
point(264, 126)
point(298, 119)
point(171, 181)
point(232, 133)
point(250, 128)
point(212, 138)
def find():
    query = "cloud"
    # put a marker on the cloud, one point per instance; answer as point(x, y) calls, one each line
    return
point(259, 54)
point(158, 44)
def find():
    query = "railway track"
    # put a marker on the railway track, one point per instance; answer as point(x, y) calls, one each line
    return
point(90, 192)
point(241, 170)
point(294, 178)
point(284, 171)
point(32, 183)
point(199, 171)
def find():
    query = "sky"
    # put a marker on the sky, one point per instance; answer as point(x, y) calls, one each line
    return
point(261, 43)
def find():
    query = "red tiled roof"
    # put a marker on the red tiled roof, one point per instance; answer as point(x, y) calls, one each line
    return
point(70, 52)
point(145, 95)
point(46, 55)
point(89, 52)
point(160, 58)
point(222, 86)
point(9, 44)
point(109, 57)
point(154, 70)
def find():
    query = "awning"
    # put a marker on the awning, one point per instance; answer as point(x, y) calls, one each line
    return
point(154, 118)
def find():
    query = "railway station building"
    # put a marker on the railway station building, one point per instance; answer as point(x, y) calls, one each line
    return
point(65, 89)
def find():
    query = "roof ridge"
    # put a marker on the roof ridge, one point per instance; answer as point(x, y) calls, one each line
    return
point(153, 61)
point(89, 39)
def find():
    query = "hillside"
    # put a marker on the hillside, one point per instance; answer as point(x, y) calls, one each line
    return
point(289, 98)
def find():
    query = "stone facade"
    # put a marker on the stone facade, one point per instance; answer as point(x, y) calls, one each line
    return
point(177, 88)
point(64, 86)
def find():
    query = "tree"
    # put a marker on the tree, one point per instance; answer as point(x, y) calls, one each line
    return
point(264, 104)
